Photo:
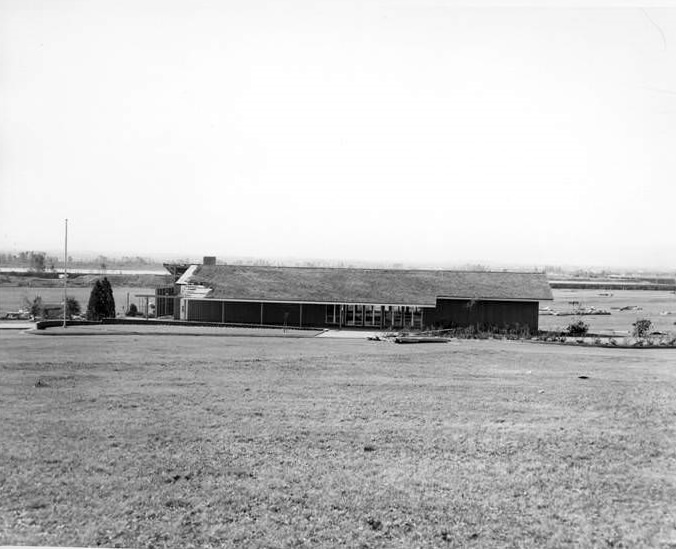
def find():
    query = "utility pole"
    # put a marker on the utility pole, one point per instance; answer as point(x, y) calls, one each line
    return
point(65, 277)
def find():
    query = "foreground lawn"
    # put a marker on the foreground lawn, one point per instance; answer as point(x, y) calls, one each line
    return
point(209, 442)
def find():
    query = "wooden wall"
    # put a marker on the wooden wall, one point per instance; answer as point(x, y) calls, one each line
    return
point(244, 312)
point(447, 314)
point(450, 313)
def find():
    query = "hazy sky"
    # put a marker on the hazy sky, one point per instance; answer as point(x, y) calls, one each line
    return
point(369, 130)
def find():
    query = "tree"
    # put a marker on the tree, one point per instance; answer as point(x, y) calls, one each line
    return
point(110, 300)
point(101, 301)
point(578, 328)
point(102, 260)
point(36, 308)
point(37, 261)
point(642, 328)
point(72, 307)
point(95, 309)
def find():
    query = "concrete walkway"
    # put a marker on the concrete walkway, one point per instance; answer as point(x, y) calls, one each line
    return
point(16, 325)
point(151, 329)
point(350, 334)
point(163, 329)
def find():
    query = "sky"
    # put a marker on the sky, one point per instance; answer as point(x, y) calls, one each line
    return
point(423, 132)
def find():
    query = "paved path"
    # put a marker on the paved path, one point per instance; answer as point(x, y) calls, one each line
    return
point(178, 330)
point(349, 334)
point(136, 329)
point(16, 325)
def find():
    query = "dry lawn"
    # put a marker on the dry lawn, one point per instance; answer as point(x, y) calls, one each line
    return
point(210, 442)
point(653, 306)
point(13, 298)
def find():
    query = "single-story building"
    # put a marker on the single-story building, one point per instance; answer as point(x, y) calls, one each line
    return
point(354, 298)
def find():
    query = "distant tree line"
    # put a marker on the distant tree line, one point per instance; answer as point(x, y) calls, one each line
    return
point(41, 261)
point(36, 261)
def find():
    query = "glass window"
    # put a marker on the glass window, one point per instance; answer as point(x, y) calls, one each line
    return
point(416, 317)
point(349, 315)
point(372, 315)
point(333, 314)
point(377, 315)
point(396, 316)
point(358, 315)
point(406, 316)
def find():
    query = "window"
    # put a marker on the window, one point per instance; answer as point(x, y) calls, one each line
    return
point(416, 317)
point(358, 315)
point(377, 315)
point(353, 315)
point(333, 314)
point(406, 316)
point(397, 316)
point(372, 315)
point(368, 315)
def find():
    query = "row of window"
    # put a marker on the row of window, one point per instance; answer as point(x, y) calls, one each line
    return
point(374, 315)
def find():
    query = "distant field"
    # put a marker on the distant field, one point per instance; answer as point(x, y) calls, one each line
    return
point(652, 304)
point(13, 297)
point(223, 442)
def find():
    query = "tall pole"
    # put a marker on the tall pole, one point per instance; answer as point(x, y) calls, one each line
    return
point(65, 277)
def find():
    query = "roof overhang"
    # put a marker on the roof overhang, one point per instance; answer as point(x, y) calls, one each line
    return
point(508, 299)
point(186, 276)
point(305, 302)
point(310, 302)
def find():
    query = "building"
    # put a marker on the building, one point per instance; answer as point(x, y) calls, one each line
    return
point(354, 298)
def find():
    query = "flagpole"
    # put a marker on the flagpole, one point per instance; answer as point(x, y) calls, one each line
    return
point(65, 276)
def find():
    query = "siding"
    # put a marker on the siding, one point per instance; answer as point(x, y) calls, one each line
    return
point(202, 310)
point(448, 313)
point(244, 312)
point(483, 314)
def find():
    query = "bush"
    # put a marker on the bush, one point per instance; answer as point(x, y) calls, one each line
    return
point(577, 328)
point(133, 310)
point(642, 328)
point(36, 308)
point(73, 307)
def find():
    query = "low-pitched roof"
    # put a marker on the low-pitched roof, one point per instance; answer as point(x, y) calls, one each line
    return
point(383, 286)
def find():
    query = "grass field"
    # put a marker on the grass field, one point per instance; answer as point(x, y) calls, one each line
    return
point(651, 304)
point(13, 297)
point(254, 442)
